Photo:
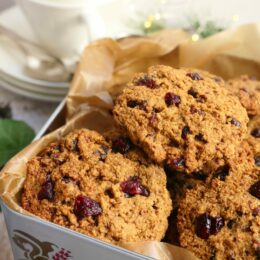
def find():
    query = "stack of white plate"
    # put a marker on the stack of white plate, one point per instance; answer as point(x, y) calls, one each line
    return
point(12, 75)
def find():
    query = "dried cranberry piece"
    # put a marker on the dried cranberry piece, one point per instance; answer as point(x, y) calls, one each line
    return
point(194, 76)
point(153, 120)
point(137, 104)
point(200, 175)
point(200, 137)
point(206, 225)
point(256, 211)
point(239, 213)
point(148, 82)
point(216, 224)
point(255, 190)
point(203, 225)
point(132, 103)
point(194, 110)
point(121, 145)
point(85, 206)
point(193, 92)
point(46, 191)
point(256, 132)
point(66, 179)
point(231, 223)
point(222, 172)
point(257, 160)
point(172, 99)
point(235, 122)
point(133, 187)
point(201, 99)
point(185, 132)
point(177, 164)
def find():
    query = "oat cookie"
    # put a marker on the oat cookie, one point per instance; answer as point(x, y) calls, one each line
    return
point(103, 188)
point(248, 91)
point(220, 219)
point(180, 117)
point(254, 138)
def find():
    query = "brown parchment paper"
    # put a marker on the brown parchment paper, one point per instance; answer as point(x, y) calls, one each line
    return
point(106, 65)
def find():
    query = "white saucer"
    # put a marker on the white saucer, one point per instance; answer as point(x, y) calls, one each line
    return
point(33, 95)
point(12, 75)
point(32, 88)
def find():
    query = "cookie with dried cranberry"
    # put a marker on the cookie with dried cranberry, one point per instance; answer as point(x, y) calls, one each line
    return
point(178, 184)
point(248, 91)
point(100, 187)
point(181, 118)
point(220, 219)
point(254, 138)
point(205, 74)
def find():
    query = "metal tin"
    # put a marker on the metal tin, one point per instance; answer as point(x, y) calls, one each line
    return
point(36, 239)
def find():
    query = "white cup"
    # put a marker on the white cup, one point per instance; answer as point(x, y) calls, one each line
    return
point(61, 26)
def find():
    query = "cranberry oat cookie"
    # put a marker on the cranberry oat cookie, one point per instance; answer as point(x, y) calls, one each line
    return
point(254, 138)
point(181, 117)
point(220, 219)
point(248, 91)
point(103, 188)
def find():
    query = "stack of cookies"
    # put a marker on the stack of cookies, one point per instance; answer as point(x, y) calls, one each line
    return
point(184, 152)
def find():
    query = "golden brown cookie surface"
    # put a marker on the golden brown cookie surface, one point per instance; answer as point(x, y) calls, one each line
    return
point(254, 138)
point(220, 219)
point(247, 89)
point(181, 117)
point(102, 188)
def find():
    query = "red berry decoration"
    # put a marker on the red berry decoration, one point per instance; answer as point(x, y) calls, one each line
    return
point(121, 145)
point(133, 187)
point(46, 191)
point(172, 99)
point(255, 190)
point(63, 254)
point(148, 82)
point(194, 76)
point(85, 206)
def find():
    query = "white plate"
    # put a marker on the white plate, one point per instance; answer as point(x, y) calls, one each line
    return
point(30, 94)
point(11, 62)
point(30, 87)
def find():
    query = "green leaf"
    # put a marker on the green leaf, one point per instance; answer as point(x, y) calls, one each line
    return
point(14, 136)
